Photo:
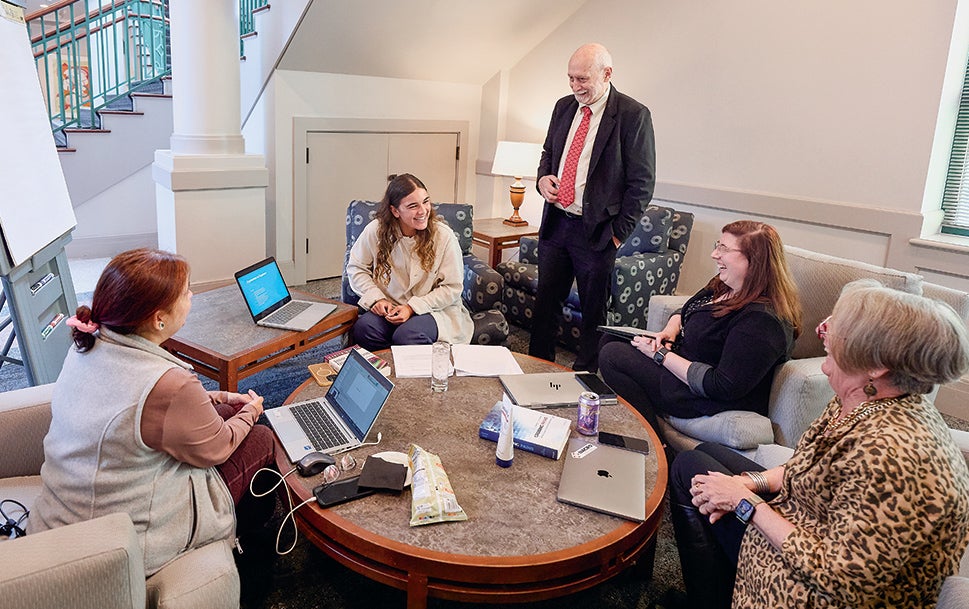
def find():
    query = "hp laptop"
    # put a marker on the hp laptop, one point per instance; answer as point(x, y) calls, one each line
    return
point(270, 303)
point(340, 420)
point(604, 479)
point(546, 389)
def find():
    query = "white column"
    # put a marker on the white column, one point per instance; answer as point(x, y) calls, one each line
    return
point(210, 195)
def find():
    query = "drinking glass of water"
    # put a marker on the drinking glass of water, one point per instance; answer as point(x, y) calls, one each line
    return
point(440, 365)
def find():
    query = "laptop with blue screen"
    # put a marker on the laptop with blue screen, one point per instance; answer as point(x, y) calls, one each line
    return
point(270, 303)
point(338, 421)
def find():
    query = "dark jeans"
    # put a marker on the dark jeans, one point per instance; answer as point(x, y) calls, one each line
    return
point(373, 332)
point(632, 375)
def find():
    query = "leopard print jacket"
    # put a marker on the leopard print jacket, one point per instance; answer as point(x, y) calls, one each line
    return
point(881, 516)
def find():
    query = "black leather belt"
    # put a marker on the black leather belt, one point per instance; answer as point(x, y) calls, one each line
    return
point(567, 214)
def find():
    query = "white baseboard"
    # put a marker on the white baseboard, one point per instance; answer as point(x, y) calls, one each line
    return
point(108, 246)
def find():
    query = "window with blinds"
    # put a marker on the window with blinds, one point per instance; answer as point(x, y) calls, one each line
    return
point(955, 200)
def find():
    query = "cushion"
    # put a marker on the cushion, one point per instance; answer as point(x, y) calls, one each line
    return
point(652, 233)
point(772, 455)
point(819, 280)
point(740, 429)
point(204, 578)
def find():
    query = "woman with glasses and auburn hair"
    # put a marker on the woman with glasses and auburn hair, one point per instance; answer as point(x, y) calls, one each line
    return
point(406, 267)
point(719, 351)
point(872, 510)
point(133, 430)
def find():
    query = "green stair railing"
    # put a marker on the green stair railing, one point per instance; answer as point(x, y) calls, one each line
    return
point(92, 53)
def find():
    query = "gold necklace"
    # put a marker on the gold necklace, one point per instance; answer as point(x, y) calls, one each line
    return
point(861, 411)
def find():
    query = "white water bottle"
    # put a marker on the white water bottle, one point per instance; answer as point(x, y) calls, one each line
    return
point(505, 452)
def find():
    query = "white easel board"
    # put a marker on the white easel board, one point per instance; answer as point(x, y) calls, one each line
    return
point(35, 208)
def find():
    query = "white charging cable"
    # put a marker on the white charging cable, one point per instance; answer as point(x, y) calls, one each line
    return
point(289, 500)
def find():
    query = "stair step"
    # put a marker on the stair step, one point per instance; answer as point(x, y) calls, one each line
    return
point(66, 149)
point(77, 130)
point(249, 35)
point(260, 9)
point(121, 112)
point(158, 95)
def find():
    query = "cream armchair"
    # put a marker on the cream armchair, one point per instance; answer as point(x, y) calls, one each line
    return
point(799, 391)
point(96, 564)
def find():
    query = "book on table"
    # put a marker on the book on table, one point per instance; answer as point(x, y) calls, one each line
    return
point(534, 431)
point(336, 359)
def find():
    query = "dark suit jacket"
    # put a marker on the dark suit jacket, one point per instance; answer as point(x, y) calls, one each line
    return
point(622, 170)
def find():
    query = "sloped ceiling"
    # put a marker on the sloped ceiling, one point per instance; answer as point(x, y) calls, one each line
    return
point(464, 41)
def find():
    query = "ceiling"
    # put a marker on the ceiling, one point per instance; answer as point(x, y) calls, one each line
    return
point(465, 41)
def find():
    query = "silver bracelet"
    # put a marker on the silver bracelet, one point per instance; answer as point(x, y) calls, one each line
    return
point(761, 485)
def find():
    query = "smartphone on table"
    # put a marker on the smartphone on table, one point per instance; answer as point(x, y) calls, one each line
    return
point(340, 492)
point(628, 442)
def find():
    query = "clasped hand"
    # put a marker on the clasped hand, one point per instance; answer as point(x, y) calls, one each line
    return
point(648, 346)
point(394, 313)
point(716, 494)
point(238, 400)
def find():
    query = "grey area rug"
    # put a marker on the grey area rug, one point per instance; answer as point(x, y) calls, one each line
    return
point(307, 578)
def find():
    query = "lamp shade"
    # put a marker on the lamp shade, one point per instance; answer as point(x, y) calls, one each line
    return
point(516, 159)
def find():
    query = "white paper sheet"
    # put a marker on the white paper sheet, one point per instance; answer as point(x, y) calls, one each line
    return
point(483, 360)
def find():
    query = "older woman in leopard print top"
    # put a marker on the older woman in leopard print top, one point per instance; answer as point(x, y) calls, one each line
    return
point(872, 510)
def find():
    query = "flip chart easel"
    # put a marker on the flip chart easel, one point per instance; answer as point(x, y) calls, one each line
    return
point(36, 215)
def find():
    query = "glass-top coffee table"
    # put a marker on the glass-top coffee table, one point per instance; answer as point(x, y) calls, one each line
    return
point(519, 543)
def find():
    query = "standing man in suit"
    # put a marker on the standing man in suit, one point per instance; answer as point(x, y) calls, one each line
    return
point(596, 174)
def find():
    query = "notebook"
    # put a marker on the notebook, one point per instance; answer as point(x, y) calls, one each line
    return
point(270, 303)
point(338, 421)
point(545, 389)
point(604, 479)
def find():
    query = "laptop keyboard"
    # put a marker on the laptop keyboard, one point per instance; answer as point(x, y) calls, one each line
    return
point(291, 310)
point(319, 428)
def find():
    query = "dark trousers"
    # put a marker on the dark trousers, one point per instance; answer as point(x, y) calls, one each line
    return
point(373, 332)
point(565, 256)
point(256, 451)
point(708, 553)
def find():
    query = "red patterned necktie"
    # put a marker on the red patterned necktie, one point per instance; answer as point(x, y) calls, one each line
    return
point(567, 184)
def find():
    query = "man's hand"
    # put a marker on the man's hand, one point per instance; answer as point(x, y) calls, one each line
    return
point(548, 186)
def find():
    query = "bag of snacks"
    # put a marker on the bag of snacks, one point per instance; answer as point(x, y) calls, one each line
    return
point(432, 498)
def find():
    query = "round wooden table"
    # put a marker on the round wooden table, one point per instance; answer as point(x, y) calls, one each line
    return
point(519, 543)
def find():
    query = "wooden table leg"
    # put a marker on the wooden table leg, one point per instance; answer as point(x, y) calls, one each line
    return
point(417, 591)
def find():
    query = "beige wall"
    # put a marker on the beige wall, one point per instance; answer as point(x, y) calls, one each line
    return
point(819, 117)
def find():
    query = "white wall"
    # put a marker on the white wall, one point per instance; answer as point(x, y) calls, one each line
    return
point(818, 117)
point(117, 219)
point(293, 95)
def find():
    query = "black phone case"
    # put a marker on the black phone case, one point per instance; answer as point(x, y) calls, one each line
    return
point(340, 491)
point(593, 383)
point(634, 444)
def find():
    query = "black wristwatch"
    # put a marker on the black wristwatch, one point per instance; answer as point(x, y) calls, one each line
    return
point(660, 356)
point(746, 508)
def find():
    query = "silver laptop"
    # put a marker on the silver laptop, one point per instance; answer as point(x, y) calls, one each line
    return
point(340, 420)
point(604, 479)
point(544, 389)
point(270, 302)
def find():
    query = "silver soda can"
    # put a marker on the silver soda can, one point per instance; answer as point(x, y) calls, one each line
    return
point(588, 419)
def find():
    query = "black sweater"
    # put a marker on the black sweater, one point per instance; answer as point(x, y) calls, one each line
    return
point(734, 359)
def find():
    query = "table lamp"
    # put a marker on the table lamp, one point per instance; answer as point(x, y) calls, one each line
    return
point(516, 159)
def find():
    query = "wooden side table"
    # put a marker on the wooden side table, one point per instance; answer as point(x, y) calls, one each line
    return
point(221, 341)
point(496, 236)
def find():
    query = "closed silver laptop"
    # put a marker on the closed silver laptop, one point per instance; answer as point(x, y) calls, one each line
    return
point(604, 479)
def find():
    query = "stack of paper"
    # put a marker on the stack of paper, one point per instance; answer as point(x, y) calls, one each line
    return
point(414, 361)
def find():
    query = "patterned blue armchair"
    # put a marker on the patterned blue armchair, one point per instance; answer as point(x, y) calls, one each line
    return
point(482, 284)
point(648, 263)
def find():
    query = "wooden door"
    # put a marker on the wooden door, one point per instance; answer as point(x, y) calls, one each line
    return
point(344, 166)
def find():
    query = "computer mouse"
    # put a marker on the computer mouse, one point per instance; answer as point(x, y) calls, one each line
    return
point(314, 463)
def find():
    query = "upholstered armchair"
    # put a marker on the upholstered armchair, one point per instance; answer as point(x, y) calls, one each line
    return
point(647, 264)
point(96, 564)
point(482, 284)
point(799, 391)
